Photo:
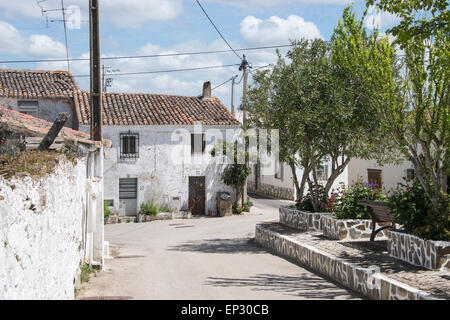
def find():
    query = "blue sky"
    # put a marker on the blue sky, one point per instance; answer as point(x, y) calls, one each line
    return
point(142, 27)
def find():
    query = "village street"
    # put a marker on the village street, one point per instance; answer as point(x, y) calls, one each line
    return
point(203, 258)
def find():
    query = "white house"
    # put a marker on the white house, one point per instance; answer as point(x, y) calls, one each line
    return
point(145, 129)
point(281, 184)
point(149, 133)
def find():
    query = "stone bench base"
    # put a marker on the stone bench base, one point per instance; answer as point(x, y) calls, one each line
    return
point(350, 229)
point(301, 220)
point(362, 280)
point(429, 254)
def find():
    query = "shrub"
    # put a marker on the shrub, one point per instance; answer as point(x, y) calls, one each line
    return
point(106, 211)
point(306, 203)
point(344, 202)
point(149, 208)
point(164, 208)
point(413, 210)
point(237, 210)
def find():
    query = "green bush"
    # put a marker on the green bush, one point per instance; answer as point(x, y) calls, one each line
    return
point(149, 208)
point(164, 208)
point(344, 202)
point(306, 203)
point(413, 210)
point(237, 210)
point(106, 211)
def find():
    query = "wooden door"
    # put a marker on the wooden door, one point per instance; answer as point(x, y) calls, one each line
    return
point(197, 195)
point(374, 177)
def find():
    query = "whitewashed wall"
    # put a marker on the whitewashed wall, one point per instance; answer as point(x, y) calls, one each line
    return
point(48, 109)
point(391, 175)
point(159, 178)
point(41, 227)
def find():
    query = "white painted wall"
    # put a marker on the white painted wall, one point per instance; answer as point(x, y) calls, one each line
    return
point(356, 170)
point(41, 249)
point(159, 178)
point(390, 174)
point(48, 109)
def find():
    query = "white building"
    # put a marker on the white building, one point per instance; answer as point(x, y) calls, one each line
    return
point(281, 184)
point(146, 163)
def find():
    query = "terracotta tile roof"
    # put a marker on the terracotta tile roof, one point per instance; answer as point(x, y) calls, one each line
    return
point(156, 109)
point(29, 125)
point(36, 84)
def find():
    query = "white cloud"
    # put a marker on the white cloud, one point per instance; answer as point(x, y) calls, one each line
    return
point(13, 42)
point(276, 30)
point(271, 3)
point(126, 14)
point(379, 19)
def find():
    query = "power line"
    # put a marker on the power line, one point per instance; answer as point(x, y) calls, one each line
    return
point(201, 7)
point(164, 71)
point(222, 84)
point(149, 56)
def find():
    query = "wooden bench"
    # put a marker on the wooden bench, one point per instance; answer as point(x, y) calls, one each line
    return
point(380, 212)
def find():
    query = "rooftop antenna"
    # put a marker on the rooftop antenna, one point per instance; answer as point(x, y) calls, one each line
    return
point(64, 21)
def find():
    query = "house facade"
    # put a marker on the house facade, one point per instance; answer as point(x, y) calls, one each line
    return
point(281, 184)
point(146, 131)
point(161, 150)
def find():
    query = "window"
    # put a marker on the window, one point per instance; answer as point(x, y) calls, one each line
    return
point(109, 203)
point(28, 107)
point(129, 145)
point(322, 173)
point(198, 143)
point(410, 174)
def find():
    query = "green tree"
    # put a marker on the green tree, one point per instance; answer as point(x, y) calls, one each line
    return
point(409, 93)
point(322, 114)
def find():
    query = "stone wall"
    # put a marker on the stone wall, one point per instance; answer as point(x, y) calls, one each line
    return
point(425, 253)
point(302, 220)
point(41, 233)
point(362, 280)
point(271, 190)
point(349, 229)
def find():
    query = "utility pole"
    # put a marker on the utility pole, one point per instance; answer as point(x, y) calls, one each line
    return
point(243, 67)
point(233, 82)
point(96, 85)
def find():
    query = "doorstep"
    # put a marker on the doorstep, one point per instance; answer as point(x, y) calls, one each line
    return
point(362, 266)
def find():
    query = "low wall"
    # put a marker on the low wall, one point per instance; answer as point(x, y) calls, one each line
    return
point(349, 229)
point(429, 254)
point(270, 190)
point(41, 233)
point(362, 280)
point(301, 220)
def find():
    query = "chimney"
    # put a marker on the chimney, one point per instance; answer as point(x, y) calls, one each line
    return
point(206, 90)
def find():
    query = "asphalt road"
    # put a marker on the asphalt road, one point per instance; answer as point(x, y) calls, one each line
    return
point(204, 258)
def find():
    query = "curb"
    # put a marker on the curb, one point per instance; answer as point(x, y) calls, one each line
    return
point(365, 281)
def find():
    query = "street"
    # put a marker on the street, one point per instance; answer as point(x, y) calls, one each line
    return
point(203, 258)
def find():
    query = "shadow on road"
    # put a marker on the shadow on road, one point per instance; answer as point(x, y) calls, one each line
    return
point(304, 285)
point(241, 245)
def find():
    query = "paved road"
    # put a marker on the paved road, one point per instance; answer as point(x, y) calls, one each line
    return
point(204, 258)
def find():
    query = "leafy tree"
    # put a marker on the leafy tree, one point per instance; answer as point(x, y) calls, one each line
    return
point(322, 114)
point(409, 92)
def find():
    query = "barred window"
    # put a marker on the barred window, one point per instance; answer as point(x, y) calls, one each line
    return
point(129, 145)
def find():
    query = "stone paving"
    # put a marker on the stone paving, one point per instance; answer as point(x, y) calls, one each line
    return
point(368, 254)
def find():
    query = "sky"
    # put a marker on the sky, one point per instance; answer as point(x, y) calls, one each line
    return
point(148, 27)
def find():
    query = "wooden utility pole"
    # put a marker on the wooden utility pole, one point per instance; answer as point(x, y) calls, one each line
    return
point(243, 67)
point(96, 83)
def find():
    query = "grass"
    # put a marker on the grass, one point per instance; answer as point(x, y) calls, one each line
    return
point(151, 208)
point(86, 272)
point(31, 163)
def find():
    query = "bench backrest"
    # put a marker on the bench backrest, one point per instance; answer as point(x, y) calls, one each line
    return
point(380, 211)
